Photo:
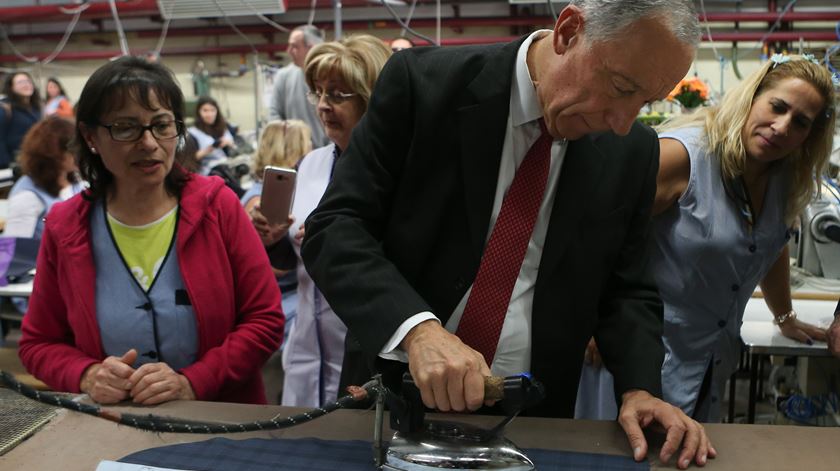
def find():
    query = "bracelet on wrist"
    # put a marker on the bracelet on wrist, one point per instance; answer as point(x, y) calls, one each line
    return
point(782, 318)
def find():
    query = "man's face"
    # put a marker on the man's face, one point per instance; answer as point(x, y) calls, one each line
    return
point(297, 48)
point(587, 86)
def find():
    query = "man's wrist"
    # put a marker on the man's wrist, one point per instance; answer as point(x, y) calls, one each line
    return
point(418, 331)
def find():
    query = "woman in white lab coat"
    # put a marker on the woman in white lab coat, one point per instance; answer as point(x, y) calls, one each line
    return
point(340, 75)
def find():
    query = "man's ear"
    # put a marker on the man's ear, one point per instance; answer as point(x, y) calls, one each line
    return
point(569, 25)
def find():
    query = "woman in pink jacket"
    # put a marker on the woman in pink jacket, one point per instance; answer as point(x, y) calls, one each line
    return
point(152, 285)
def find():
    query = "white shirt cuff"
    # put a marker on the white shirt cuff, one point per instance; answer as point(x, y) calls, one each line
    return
point(391, 350)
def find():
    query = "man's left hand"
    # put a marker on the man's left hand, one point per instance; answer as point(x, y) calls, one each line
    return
point(640, 409)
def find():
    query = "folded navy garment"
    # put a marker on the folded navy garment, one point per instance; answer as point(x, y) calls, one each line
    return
point(260, 454)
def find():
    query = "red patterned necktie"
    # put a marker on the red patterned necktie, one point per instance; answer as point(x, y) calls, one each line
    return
point(487, 305)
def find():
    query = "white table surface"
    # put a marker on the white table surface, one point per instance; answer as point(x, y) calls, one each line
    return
point(17, 289)
point(760, 335)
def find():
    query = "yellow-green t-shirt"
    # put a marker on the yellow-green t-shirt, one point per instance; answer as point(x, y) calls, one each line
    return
point(144, 247)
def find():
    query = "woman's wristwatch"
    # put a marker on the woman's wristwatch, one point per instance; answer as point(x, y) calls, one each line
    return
point(782, 318)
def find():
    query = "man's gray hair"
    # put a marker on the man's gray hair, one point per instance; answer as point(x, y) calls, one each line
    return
point(311, 35)
point(605, 19)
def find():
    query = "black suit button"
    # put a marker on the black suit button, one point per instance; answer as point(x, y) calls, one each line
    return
point(752, 248)
point(735, 287)
point(721, 324)
point(151, 354)
point(460, 284)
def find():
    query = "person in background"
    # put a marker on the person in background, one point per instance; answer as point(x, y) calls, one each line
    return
point(56, 100)
point(288, 97)
point(282, 144)
point(211, 133)
point(400, 43)
point(151, 285)
point(341, 75)
point(49, 173)
point(462, 279)
point(19, 111)
point(732, 180)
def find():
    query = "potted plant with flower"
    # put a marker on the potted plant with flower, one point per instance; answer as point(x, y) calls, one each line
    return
point(690, 93)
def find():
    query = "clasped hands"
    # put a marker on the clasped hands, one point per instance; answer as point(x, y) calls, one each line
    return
point(450, 377)
point(114, 380)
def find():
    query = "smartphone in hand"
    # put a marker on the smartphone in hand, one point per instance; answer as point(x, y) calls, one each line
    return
point(277, 193)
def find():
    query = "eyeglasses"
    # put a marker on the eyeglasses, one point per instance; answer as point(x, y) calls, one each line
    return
point(333, 98)
point(130, 132)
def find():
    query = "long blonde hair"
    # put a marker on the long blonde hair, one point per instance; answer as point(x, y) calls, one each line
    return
point(724, 123)
point(282, 144)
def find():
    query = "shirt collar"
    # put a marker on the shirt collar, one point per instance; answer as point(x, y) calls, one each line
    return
point(524, 104)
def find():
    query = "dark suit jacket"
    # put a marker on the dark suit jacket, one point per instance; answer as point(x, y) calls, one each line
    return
point(402, 226)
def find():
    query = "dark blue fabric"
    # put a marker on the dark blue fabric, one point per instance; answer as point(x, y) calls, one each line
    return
point(259, 454)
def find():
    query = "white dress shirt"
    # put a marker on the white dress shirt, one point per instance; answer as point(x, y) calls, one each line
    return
point(513, 354)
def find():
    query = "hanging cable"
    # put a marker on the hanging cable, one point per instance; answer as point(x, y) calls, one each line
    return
point(409, 17)
point(552, 10)
point(709, 30)
point(233, 27)
point(15, 51)
point(76, 12)
point(83, 5)
point(118, 24)
point(405, 26)
point(162, 38)
point(64, 38)
point(776, 24)
point(264, 18)
point(437, 21)
point(312, 12)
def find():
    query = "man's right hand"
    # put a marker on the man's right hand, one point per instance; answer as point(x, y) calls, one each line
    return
point(448, 373)
point(107, 382)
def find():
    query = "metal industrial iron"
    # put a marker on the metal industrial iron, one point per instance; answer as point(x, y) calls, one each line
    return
point(424, 445)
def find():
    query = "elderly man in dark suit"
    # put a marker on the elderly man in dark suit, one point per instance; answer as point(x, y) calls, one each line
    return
point(491, 214)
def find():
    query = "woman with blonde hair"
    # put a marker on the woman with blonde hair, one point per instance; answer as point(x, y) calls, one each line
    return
point(340, 75)
point(282, 144)
point(732, 180)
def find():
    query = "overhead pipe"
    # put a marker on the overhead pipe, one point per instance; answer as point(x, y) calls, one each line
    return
point(218, 50)
point(458, 23)
point(147, 8)
point(94, 11)
point(774, 36)
point(127, 9)
point(276, 48)
point(771, 17)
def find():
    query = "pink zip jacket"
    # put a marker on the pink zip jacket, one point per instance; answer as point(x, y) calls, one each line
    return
point(226, 273)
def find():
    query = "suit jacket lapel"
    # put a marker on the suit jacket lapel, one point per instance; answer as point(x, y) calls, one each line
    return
point(579, 177)
point(482, 124)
